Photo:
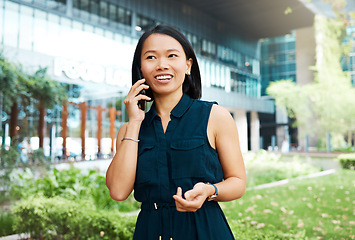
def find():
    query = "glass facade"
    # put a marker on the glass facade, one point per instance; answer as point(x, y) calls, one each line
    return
point(89, 45)
point(51, 27)
point(349, 63)
point(278, 60)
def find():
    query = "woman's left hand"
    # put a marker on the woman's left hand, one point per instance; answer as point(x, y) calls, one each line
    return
point(194, 198)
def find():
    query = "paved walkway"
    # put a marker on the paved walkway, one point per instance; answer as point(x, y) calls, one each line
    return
point(15, 237)
point(100, 165)
point(286, 181)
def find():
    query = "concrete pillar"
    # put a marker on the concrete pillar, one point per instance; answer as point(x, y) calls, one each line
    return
point(305, 54)
point(254, 131)
point(69, 8)
point(305, 58)
point(240, 117)
point(134, 24)
point(282, 128)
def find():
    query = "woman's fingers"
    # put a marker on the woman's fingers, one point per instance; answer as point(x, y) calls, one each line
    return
point(134, 95)
point(179, 192)
point(179, 201)
point(132, 98)
point(191, 204)
point(137, 88)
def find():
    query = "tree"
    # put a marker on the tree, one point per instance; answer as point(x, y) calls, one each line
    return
point(328, 100)
point(48, 93)
point(7, 83)
point(12, 90)
point(19, 90)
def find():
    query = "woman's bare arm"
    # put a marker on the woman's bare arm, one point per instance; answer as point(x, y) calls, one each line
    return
point(227, 145)
point(121, 173)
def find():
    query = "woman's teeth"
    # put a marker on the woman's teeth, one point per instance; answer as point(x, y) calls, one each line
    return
point(164, 77)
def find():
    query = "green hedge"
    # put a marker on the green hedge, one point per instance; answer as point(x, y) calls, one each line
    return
point(347, 160)
point(59, 218)
point(72, 184)
point(6, 222)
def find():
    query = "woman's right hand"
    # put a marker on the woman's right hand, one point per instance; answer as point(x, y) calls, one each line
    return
point(132, 98)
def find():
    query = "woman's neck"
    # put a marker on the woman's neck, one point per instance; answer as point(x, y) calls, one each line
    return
point(165, 104)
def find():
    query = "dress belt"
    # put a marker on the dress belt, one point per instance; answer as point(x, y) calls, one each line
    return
point(159, 207)
point(155, 206)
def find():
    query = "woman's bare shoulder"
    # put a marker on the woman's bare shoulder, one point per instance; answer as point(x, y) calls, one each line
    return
point(221, 119)
point(220, 113)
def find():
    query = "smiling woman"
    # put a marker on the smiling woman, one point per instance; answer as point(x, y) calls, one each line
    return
point(183, 155)
point(164, 65)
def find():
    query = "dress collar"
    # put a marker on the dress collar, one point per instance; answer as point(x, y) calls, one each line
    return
point(178, 111)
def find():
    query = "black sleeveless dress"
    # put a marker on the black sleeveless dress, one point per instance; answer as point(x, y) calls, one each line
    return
point(180, 157)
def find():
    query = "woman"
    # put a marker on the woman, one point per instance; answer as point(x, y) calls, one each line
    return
point(182, 156)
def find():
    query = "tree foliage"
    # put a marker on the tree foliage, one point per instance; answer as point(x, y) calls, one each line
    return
point(45, 90)
point(19, 91)
point(292, 97)
point(8, 78)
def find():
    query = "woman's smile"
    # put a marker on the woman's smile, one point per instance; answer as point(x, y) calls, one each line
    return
point(164, 78)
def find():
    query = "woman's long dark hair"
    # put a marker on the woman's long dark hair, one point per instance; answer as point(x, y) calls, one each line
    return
point(192, 83)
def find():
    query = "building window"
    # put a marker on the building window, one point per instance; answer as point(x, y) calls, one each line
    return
point(112, 12)
point(104, 13)
point(26, 30)
point(144, 23)
point(208, 48)
point(124, 16)
point(101, 12)
point(11, 18)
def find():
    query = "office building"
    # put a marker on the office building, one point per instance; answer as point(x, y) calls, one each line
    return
point(89, 45)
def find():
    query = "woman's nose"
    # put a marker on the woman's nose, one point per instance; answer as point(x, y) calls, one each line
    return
point(162, 64)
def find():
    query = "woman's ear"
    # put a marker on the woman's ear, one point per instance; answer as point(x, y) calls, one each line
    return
point(189, 63)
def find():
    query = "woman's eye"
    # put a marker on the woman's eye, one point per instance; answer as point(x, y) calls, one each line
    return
point(150, 57)
point(172, 55)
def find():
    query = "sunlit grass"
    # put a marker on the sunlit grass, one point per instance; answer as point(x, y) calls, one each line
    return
point(322, 206)
point(266, 167)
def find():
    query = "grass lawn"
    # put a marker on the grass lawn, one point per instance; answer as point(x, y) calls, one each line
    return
point(323, 207)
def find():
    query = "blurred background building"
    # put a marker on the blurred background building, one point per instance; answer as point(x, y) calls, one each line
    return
point(241, 46)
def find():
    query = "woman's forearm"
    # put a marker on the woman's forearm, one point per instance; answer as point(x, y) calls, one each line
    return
point(121, 173)
point(230, 189)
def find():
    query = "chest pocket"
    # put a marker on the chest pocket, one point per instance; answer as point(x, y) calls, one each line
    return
point(187, 158)
point(145, 163)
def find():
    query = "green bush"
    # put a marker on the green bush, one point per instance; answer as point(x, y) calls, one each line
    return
point(37, 157)
point(344, 149)
point(347, 160)
point(73, 184)
point(6, 222)
point(59, 218)
point(9, 157)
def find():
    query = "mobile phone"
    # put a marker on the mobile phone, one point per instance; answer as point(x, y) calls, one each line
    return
point(141, 103)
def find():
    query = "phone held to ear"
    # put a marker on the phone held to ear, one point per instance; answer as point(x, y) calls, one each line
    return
point(141, 103)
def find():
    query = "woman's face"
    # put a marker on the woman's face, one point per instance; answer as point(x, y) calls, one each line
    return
point(164, 64)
